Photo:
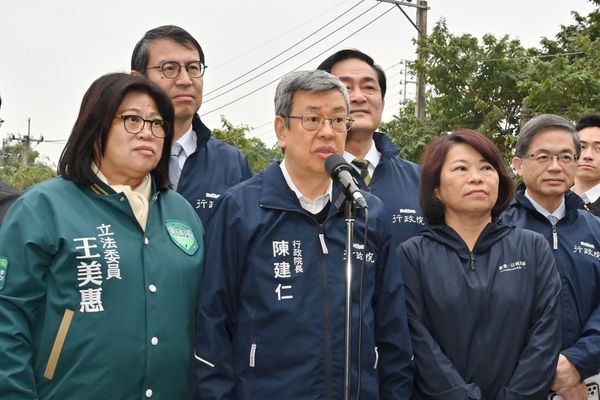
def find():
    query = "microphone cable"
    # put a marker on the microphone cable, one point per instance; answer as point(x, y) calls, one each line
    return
point(360, 301)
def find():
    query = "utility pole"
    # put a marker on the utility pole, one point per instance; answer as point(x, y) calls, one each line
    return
point(421, 27)
point(26, 143)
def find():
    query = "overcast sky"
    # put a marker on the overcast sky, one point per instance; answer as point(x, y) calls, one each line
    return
point(51, 51)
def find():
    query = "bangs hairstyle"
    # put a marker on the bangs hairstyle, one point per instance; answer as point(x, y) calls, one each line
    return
point(87, 142)
point(433, 159)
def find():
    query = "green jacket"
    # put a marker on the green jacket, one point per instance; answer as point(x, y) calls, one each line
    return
point(91, 306)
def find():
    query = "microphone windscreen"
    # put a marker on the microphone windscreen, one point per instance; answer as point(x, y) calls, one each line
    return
point(333, 162)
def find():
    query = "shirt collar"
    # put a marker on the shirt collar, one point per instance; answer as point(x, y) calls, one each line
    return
point(373, 156)
point(188, 141)
point(312, 206)
point(558, 213)
point(592, 194)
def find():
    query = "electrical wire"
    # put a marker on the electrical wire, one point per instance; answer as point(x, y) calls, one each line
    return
point(286, 50)
point(278, 64)
point(312, 59)
point(277, 37)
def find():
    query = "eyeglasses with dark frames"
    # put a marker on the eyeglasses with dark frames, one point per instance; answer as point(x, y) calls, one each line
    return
point(172, 69)
point(134, 124)
point(314, 122)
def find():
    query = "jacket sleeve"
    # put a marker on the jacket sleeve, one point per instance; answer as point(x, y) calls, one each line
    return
point(395, 369)
point(436, 377)
point(533, 375)
point(25, 252)
point(585, 352)
point(217, 309)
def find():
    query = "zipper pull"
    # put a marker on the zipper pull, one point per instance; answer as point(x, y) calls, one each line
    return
point(323, 244)
point(554, 238)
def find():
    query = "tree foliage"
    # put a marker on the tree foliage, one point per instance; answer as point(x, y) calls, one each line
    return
point(12, 172)
point(259, 156)
point(495, 84)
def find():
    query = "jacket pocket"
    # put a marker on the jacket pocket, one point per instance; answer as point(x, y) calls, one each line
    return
point(59, 342)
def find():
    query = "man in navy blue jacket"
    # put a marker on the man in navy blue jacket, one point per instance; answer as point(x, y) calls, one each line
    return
point(201, 166)
point(270, 322)
point(394, 180)
point(546, 158)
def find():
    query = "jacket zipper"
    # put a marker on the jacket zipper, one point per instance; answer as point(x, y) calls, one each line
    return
point(252, 361)
point(326, 323)
point(376, 357)
point(554, 238)
point(250, 373)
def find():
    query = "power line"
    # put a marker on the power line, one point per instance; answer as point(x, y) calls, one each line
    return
point(286, 50)
point(312, 59)
point(280, 63)
point(277, 37)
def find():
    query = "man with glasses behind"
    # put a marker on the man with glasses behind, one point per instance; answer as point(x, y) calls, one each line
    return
point(201, 167)
point(546, 156)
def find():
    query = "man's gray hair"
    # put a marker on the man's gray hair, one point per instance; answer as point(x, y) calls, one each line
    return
point(307, 81)
point(541, 123)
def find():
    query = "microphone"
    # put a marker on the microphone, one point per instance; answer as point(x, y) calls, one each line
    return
point(340, 171)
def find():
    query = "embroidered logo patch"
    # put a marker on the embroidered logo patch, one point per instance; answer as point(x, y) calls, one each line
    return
point(181, 234)
point(3, 269)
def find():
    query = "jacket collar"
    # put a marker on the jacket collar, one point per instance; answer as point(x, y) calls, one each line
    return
point(385, 146)
point(203, 134)
point(572, 201)
point(492, 233)
point(275, 192)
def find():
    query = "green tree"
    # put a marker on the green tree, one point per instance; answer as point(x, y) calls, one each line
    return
point(565, 78)
point(14, 173)
point(494, 84)
point(259, 156)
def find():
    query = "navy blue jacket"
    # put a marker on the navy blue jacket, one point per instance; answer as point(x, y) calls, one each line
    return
point(396, 182)
point(575, 243)
point(484, 323)
point(214, 167)
point(270, 322)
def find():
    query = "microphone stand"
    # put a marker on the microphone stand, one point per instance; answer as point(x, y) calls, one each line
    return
point(349, 215)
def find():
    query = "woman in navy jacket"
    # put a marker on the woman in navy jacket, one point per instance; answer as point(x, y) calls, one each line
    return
point(482, 297)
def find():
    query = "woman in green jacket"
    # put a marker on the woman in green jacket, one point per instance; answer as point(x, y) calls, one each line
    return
point(100, 267)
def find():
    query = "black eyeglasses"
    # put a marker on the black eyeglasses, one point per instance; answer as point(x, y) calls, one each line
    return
point(171, 69)
point(314, 122)
point(134, 124)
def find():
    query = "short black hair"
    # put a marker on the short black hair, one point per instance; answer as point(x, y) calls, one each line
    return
point(589, 121)
point(348, 54)
point(141, 51)
point(87, 142)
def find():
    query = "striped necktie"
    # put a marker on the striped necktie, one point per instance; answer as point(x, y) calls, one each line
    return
point(363, 166)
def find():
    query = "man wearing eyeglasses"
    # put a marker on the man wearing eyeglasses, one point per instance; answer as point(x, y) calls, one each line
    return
point(546, 156)
point(378, 168)
point(587, 177)
point(271, 320)
point(201, 167)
